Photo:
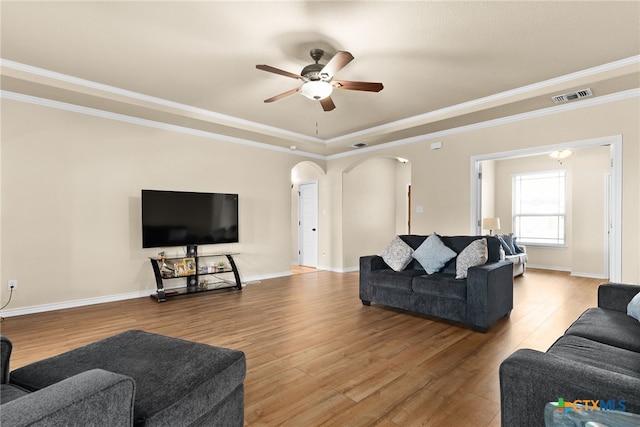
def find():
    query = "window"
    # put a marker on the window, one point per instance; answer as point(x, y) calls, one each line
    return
point(539, 208)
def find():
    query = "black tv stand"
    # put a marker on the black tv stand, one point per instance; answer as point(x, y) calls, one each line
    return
point(169, 268)
point(192, 250)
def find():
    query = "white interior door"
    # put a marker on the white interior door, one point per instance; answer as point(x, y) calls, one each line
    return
point(308, 224)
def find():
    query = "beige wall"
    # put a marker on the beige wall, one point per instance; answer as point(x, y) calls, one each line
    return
point(71, 194)
point(369, 208)
point(591, 167)
point(488, 191)
point(71, 202)
point(403, 180)
point(441, 179)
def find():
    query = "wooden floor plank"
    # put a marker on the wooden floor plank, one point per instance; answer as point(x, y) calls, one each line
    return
point(317, 357)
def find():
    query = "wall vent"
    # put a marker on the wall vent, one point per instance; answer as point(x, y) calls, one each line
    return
point(571, 96)
point(359, 145)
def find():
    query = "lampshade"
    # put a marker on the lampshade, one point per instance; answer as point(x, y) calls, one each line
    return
point(316, 89)
point(491, 224)
point(560, 154)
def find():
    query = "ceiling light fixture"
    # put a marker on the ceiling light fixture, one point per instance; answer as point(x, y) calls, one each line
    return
point(316, 89)
point(560, 154)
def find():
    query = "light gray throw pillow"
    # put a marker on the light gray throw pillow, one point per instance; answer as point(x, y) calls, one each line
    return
point(474, 254)
point(432, 254)
point(633, 309)
point(397, 254)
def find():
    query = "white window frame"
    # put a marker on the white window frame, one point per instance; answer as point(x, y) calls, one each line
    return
point(559, 211)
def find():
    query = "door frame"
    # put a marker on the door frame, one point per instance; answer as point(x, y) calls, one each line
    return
point(615, 206)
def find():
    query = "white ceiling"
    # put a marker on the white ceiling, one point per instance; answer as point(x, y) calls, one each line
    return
point(443, 63)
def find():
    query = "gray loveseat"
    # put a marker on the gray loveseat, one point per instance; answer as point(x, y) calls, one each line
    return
point(514, 252)
point(597, 358)
point(519, 261)
point(133, 378)
point(478, 301)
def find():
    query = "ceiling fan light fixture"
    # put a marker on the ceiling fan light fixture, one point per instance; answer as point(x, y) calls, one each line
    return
point(316, 89)
point(560, 154)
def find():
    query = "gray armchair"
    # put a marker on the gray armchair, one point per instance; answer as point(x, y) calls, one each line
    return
point(132, 378)
point(95, 397)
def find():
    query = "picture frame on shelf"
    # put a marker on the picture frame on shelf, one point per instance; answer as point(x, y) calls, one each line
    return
point(189, 266)
point(179, 269)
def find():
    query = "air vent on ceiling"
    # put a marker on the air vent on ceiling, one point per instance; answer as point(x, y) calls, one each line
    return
point(571, 96)
point(359, 145)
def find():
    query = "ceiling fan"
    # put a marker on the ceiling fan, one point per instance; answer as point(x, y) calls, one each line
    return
point(318, 82)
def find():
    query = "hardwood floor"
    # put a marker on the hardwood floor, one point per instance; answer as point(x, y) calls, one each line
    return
point(301, 269)
point(316, 356)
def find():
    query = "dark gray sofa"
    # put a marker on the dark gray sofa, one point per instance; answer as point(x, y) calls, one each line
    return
point(478, 301)
point(597, 358)
point(133, 378)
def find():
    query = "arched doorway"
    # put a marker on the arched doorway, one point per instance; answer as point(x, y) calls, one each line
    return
point(305, 189)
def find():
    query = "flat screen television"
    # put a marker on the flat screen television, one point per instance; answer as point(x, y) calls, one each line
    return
point(181, 218)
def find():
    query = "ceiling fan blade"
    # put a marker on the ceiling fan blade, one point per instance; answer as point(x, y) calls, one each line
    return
point(336, 63)
point(282, 95)
point(271, 69)
point(367, 86)
point(327, 104)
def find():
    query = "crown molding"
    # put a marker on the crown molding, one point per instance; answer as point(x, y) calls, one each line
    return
point(490, 100)
point(223, 119)
point(584, 103)
point(148, 123)
point(100, 87)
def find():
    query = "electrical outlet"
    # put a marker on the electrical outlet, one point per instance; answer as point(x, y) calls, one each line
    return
point(12, 285)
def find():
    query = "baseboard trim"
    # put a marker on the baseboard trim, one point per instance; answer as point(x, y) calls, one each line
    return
point(589, 275)
point(549, 267)
point(252, 280)
point(74, 303)
point(338, 270)
point(568, 270)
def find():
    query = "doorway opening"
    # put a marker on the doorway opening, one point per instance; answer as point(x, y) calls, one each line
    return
point(308, 224)
point(612, 201)
point(306, 179)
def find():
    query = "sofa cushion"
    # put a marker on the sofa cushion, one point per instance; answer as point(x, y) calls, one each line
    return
point(413, 240)
point(432, 254)
point(596, 354)
point(472, 255)
point(9, 392)
point(397, 254)
point(517, 259)
point(176, 381)
point(633, 309)
point(458, 243)
point(440, 285)
point(608, 327)
point(393, 279)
